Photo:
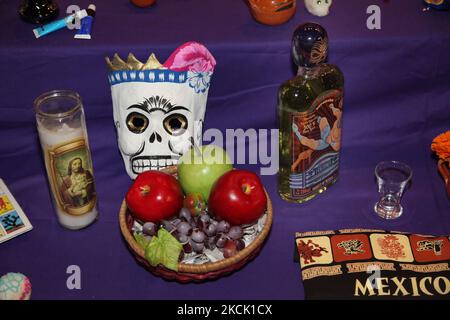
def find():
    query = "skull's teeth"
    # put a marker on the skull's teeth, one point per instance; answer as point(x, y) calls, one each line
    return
point(145, 164)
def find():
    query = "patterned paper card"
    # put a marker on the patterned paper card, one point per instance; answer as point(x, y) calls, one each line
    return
point(373, 264)
point(13, 220)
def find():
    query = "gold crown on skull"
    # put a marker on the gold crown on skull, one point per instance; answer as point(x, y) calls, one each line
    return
point(132, 63)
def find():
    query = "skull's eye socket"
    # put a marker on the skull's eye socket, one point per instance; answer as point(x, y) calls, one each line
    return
point(136, 122)
point(175, 124)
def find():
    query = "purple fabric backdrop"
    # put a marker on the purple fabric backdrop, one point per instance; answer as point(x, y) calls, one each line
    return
point(397, 100)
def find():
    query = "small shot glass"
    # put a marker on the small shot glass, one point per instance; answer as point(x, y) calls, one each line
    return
point(392, 178)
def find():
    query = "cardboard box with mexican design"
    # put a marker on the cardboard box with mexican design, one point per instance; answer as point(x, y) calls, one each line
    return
point(13, 220)
point(373, 264)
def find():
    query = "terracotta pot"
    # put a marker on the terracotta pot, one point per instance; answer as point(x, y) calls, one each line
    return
point(143, 3)
point(444, 170)
point(272, 12)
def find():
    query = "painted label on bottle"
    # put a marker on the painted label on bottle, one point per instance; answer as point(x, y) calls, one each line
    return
point(316, 141)
point(70, 169)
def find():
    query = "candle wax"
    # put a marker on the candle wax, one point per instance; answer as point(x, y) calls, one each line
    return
point(51, 139)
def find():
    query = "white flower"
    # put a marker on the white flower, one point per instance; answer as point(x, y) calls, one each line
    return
point(199, 80)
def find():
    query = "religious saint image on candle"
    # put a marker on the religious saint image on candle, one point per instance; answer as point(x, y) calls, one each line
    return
point(78, 185)
point(72, 176)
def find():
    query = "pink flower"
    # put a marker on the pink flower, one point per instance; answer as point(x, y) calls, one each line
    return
point(191, 56)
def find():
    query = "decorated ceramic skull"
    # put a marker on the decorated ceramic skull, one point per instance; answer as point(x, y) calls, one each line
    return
point(318, 8)
point(159, 108)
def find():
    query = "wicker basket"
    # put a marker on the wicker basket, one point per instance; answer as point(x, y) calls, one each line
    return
point(192, 272)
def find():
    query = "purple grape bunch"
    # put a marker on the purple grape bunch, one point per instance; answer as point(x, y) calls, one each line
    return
point(197, 233)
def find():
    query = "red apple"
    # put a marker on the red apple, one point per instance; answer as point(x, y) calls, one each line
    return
point(238, 197)
point(154, 196)
point(195, 203)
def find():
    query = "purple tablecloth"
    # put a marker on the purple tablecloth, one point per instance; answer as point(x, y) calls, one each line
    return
point(397, 100)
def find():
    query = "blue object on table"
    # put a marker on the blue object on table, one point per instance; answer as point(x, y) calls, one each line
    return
point(86, 24)
point(58, 24)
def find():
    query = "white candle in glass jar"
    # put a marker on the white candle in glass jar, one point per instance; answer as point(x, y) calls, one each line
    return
point(68, 162)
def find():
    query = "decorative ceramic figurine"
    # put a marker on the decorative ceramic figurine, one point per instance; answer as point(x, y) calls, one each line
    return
point(15, 286)
point(438, 4)
point(143, 3)
point(320, 8)
point(38, 11)
point(272, 12)
point(159, 108)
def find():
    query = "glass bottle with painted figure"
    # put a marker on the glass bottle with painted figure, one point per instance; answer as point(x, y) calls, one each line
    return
point(310, 118)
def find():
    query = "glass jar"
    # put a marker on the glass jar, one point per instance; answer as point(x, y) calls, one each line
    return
point(62, 132)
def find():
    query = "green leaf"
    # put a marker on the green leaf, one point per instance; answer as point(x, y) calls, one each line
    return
point(164, 249)
point(141, 240)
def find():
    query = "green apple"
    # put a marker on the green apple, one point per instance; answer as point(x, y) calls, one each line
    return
point(199, 168)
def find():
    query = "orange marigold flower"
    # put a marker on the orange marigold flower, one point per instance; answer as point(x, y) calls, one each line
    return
point(441, 145)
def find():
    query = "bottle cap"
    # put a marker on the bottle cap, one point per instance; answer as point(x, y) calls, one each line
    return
point(309, 45)
point(81, 14)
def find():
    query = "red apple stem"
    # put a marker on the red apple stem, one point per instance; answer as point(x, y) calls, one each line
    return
point(246, 188)
point(144, 190)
